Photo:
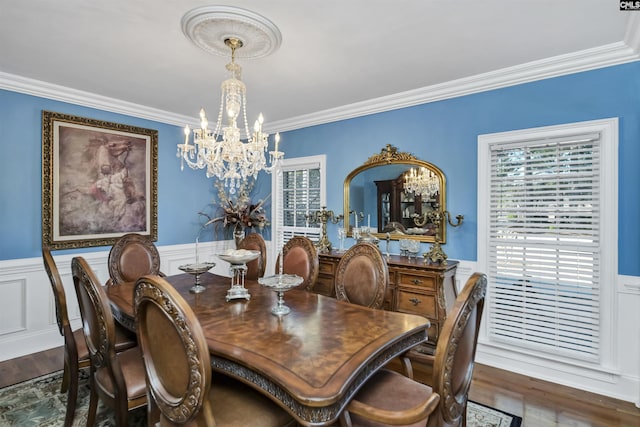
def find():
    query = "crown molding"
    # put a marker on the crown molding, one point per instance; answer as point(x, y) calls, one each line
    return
point(632, 35)
point(585, 60)
point(42, 89)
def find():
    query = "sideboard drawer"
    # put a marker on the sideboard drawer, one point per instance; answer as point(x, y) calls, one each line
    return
point(413, 279)
point(327, 267)
point(415, 303)
point(324, 286)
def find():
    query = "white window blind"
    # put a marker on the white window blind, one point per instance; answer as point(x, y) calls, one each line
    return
point(301, 187)
point(544, 245)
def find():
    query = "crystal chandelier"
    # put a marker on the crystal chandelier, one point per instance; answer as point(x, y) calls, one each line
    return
point(422, 182)
point(222, 150)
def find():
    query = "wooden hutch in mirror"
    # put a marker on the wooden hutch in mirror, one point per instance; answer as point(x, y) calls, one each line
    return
point(397, 206)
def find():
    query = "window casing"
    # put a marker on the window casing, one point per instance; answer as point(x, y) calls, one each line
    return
point(547, 238)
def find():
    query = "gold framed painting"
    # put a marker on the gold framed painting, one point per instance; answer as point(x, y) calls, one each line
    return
point(99, 181)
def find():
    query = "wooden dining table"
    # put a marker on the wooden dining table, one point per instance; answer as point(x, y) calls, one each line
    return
point(311, 361)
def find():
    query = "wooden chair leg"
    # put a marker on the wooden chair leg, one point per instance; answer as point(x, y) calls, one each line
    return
point(93, 404)
point(122, 413)
point(65, 378)
point(70, 378)
point(72, 398)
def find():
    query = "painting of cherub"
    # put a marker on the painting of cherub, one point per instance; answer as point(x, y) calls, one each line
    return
point(102, 181)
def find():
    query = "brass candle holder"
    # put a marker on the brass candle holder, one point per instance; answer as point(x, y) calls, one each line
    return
point(436, 253)
point(322, 217)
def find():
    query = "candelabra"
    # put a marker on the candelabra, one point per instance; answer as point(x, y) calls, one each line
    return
point(436, 253)
point(322, 217)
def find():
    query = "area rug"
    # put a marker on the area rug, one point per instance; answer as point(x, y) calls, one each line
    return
point(39, 403)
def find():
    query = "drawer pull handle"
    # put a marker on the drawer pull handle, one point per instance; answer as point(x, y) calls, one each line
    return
point(416, 281)
point(415, 301)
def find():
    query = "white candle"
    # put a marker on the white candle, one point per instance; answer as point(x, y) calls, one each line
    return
point(196, 250)
point(369, 221)
point(186, 134)
point(356, 219)
point(277, 141)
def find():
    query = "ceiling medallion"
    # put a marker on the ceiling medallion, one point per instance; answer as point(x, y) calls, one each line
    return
point(209, 26)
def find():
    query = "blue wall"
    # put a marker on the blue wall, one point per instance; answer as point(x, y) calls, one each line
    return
point(180, 194)
point(444, 133)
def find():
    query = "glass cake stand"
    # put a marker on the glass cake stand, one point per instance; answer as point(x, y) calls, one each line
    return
point(196, 270)
point(238, 260)
point(280, 283)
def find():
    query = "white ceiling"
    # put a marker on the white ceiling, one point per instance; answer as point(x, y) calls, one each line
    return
point(338, 58)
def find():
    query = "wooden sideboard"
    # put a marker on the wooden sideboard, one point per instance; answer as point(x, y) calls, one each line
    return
point(415, 287)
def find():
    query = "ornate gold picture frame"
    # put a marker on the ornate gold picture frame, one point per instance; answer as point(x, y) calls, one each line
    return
point(99, 181)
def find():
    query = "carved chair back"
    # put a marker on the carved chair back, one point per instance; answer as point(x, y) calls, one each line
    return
point(131, 257)
point(300, 257)
point(108, 366)
point(455, 354)
point(176, 355)
point(362, 276)
point(178, 368)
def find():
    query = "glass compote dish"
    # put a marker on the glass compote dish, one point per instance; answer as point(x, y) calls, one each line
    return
point(238, 258)
point(197, 269)
point(280, 283)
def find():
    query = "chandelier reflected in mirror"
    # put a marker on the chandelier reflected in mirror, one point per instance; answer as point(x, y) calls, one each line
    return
point(421, 182)
point(228, 152)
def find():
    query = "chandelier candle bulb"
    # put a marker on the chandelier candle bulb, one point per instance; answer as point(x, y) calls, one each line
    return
point(187, 131)
point(277, 138)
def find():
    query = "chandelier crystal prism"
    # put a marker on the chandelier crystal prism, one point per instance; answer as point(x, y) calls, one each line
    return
point(222, 150)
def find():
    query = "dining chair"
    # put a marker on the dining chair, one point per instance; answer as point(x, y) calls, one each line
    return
point(115, 378)
point(454, 360)
point(76, 354)
point(362, 276)
point(131, 257)
point(255, 242)
point(452, 373)
point(178, 368)
point(300, 256)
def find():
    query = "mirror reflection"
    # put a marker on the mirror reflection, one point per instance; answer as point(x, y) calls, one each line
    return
point(391, 193)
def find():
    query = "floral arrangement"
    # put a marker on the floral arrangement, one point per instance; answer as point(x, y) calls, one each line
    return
point(239, 211)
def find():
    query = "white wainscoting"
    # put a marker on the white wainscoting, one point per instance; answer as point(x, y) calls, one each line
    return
point(28, 325)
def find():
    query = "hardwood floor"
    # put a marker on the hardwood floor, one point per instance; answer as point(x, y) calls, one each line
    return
point(539, 403)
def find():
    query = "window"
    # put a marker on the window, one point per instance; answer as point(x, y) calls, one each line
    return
point(547, 238)
point(301, 190)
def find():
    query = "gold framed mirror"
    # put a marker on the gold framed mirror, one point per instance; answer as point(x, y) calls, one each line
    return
point(386, 200)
